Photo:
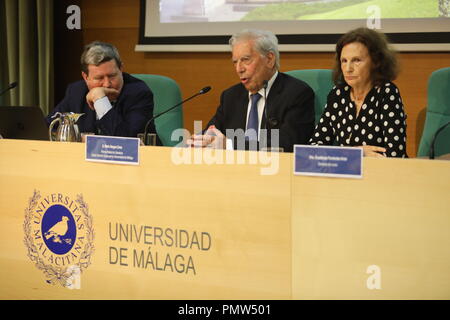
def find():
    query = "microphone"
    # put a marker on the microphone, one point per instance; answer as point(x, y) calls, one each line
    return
point(272, 122)
point(434, 139)
point(202, 91)
point(265, 83)
point(267, 135)
point(11, 86)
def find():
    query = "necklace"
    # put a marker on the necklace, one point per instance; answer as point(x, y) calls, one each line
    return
point(355, 98)
point(358, 100)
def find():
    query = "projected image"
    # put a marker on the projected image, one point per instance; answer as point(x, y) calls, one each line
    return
point(182, 11)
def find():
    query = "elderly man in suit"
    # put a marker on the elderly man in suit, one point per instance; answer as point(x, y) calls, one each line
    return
point(264, 99)
point(114, 103)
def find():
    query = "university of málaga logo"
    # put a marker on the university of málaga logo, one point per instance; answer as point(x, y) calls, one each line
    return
point(59, 237)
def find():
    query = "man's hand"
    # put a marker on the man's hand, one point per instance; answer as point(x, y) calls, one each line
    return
point(212, 138)
point(99, 92)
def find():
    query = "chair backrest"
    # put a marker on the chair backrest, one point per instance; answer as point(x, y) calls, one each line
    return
point(166, 93)
point(438, 114)
point(320, 80)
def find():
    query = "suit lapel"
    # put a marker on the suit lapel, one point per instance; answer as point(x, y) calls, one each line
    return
point(118, 102)
point(241, 109)
point(273, 99)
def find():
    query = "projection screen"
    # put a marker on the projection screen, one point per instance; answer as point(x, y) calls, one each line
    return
point(301, 25)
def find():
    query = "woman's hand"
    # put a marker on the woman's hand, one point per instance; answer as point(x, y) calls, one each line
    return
point(373, 151)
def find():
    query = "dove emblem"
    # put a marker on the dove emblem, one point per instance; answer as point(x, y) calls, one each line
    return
point(58, 230)
point(59, 236)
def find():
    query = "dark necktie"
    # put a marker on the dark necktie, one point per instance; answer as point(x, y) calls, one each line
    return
point(253, 118)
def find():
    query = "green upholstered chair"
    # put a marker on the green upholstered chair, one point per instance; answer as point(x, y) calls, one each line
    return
point(166, 94)
point(320, 80)
point(437, 115)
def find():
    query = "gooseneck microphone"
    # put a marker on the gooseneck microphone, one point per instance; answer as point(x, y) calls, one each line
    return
point(11, 86)
point(434, 139)
point(267, 135)
point(202, 91)
point(270, 122)
point(265, 83)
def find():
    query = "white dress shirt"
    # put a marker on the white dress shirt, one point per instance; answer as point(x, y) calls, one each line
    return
point(102, 106)
point(261, 106)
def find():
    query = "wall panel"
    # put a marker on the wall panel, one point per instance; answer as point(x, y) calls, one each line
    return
point(117, 22)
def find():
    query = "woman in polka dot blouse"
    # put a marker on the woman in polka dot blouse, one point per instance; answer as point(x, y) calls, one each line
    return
point(364, 108)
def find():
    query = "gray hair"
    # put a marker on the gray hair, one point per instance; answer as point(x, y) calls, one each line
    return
point(265, 42)
point(98, 52)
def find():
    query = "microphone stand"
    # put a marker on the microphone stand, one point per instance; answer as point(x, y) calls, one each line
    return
point(11, 86)
point(434, 139)
point(202, 91)
point(265, 84)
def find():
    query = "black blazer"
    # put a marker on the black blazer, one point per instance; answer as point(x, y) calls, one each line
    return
point(127, 118)
point(290, 108)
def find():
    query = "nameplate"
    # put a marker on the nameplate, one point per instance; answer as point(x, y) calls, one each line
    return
point(325, 161)
point(112, 149)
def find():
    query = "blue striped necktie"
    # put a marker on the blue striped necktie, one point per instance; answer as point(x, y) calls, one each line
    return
point(253, 118)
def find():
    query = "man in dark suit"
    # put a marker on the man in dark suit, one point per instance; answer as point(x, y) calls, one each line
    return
point(114, 103)
point(288, 110)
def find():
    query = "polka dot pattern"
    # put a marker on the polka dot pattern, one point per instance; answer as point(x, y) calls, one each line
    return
point(381, 122)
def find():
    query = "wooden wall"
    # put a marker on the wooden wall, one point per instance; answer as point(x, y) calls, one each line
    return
point(117, 22)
